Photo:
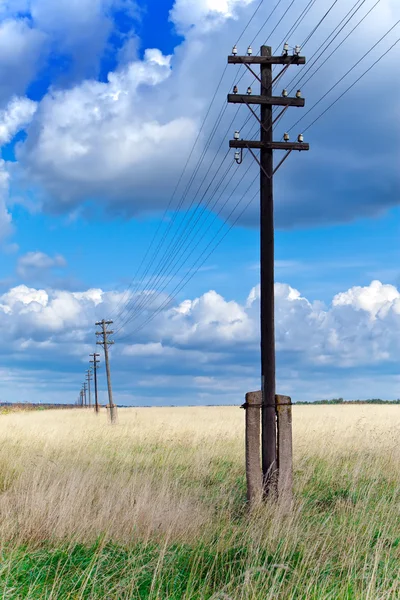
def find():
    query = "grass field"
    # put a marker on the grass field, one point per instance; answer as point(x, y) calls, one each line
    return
point(154, 507)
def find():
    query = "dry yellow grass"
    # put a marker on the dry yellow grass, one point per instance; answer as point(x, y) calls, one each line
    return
point(176, 476)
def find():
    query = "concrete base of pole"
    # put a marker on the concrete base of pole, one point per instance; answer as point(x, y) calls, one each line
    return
point(253, 447)
point(285, 451)
point(282, 483)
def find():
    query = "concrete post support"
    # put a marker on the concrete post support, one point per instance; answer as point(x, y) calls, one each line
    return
point(253, 446)
point(285, 450)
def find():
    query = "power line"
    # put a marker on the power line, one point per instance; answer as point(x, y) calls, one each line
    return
point(131, 304)
point(190, 246)
point(293, 27)
point(265, 22)
point(319, 23)
point(137, 304)
point(175, 250)
point(245, 29)
point(353, 84)
point(195, 267)
point(176, 254)
point(310, 65)
point(185, 280)
point(185, 167)
point(345, 75)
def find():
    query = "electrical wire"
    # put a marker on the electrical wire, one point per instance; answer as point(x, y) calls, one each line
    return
point(184, 169)
point(174, 252)
point(345, 75)
point(302, 15)
point(131, 305)
point(352, 85)
point(343, 24)
point(189, 246)
point(273, 30)
point(195, 267)
point(247, 26)
point(319, 24)
point(182, 283)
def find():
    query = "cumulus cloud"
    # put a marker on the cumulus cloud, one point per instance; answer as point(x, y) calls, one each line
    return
point(78, 28)
point(14, 117)
point(375, 299)
point(204, 15)
point(100, 141)
point(17, 114)
point(21, 49)
point(34, 265)
point(5, 216)
point(211, 343)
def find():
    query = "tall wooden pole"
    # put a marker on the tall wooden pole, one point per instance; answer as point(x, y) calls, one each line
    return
point(267, 306)
point(266, 100)
point(84, 393)
point(105, 343)
point(89, 377)
point(95, 363)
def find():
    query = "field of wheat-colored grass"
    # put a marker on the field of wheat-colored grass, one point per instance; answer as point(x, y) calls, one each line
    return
point(154, 507)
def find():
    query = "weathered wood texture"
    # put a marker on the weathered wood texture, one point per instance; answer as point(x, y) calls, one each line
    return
point(269, 145)
point(267, 278)
point(267, 60)
point(265, 100)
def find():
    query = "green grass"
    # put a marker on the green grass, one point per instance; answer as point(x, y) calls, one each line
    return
point(334, 553)
point(341, 541)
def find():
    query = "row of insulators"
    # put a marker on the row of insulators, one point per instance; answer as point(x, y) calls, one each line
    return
point(286, 48)
point(285, 93)
point(286, 137)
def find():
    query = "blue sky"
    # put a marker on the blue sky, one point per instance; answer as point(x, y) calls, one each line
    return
point(100, 106)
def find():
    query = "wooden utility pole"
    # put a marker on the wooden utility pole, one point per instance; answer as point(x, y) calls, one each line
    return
point(84, 392)
point(105, 343)
point(266, 146)
point(89, 378)
point(95, 362)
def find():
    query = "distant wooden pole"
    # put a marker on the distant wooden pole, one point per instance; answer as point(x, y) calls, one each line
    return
point(285, 450)
point(105, 343)
point(89, 378)
point(95, 363)
point(253, 446)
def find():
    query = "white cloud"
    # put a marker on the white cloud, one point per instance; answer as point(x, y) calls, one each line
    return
point(351, 331)
point(375, 299)
point(5, 217)
point(17, 114)
point(21, 48)
point(210, 339)
point(78, 28)
point(204, 15)
point(34, 264)
point(101, 140)
point(208, 317)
